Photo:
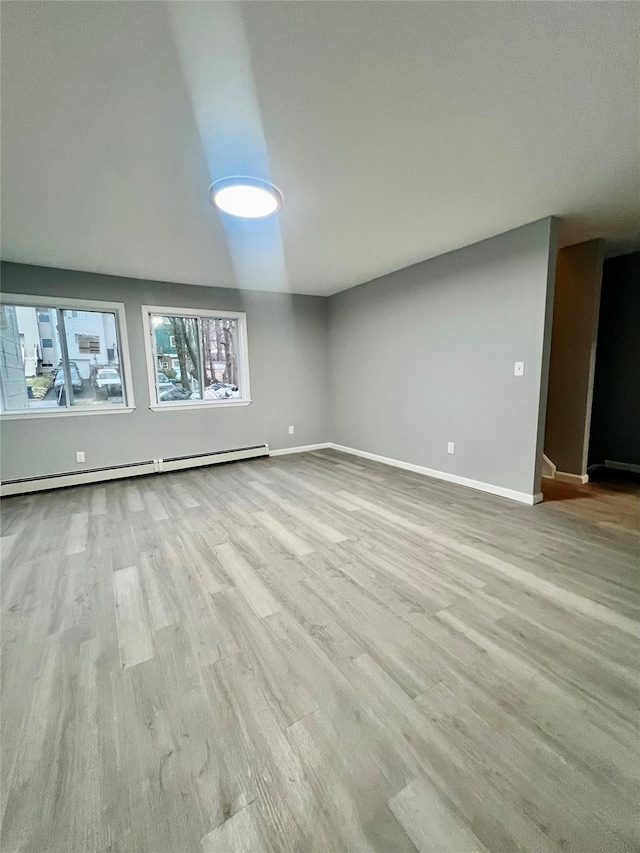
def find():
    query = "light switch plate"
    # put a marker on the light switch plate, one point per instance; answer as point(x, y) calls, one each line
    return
point(518, 369)
point(451, 447)
point(80, 456)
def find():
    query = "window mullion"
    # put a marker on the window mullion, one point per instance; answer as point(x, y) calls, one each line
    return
point(202, 364)
point(64, 357)
point(154, 355)
point(126, 390)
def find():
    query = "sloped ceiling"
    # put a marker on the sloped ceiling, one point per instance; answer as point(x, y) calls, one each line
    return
point(396, 131)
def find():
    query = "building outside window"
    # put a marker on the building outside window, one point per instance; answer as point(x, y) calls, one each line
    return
point(58, 359)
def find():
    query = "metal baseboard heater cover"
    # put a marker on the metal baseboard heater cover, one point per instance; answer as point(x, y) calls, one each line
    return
point(136, 469)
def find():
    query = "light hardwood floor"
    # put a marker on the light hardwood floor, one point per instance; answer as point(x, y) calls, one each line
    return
point(318, 653)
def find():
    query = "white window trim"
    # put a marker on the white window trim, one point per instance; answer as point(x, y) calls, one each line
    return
point(64, 303)
point(63, 413)
point(243, 357)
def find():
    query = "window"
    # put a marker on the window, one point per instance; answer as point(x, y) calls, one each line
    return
point(88, 344)
point(209, 363)
point(57, 359)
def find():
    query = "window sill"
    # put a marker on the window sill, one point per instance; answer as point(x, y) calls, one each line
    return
point(63, 413)
point(197, 405)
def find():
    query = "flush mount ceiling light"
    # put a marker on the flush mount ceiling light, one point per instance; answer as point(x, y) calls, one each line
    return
point(249, 198)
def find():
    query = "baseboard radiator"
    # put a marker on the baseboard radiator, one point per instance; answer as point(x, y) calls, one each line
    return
point(136, 469)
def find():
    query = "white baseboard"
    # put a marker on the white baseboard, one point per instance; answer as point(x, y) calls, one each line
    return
point(157, 466)
point(76, 478)
point(305, 448)
point(548, 468)
point(134, 469)
point(622, 466)
point(200, 460)
point(574, 479)
point(521, 497)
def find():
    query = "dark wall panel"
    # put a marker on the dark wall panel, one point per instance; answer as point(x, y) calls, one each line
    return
point(615, 422)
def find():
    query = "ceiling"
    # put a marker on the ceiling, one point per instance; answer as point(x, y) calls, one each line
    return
point(396, 132)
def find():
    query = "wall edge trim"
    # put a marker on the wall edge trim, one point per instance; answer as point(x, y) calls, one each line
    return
point(500, 491)
point(575, 479)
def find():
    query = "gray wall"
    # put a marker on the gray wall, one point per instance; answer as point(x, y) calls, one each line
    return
point(573, 355)
point(287, 354)
point(404, 364)
point(615, 423)
point(426, 355)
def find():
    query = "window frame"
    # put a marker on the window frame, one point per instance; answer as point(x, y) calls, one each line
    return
point(151, 357)
point(69, 304)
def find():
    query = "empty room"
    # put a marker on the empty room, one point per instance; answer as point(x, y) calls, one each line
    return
point(319, 420)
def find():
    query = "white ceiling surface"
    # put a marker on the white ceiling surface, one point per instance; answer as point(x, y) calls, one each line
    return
point(396, 131)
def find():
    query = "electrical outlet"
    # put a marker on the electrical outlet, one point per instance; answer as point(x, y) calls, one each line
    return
point(451, 447)
point(80, 456)
point(518, 368)
point(291, 430)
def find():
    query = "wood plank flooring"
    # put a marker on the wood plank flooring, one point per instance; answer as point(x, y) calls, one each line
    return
point(318, 653)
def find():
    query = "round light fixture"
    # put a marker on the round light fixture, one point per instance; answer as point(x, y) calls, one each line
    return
point(248, 198)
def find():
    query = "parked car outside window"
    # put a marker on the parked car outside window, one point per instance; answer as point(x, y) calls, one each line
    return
point(108, 379)
point(221, 391)
point(175, 392)
point(74, 373)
